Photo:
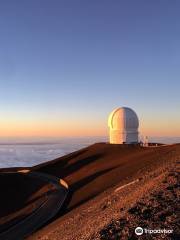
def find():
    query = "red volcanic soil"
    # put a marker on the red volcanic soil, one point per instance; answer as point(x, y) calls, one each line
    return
point(94, 169)
point(157, 210)
point(101, 170)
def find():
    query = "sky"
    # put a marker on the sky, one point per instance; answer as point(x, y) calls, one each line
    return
point(66, 64)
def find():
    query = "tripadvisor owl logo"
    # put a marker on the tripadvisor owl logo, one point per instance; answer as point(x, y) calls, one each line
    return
point(138, 231)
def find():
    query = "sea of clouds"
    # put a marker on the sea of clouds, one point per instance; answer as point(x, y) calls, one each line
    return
point(30, 152)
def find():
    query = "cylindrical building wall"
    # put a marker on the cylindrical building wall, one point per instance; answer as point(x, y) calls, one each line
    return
point(123, 126)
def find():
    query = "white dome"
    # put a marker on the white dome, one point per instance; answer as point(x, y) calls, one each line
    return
point(123, 123)
point(123, 119)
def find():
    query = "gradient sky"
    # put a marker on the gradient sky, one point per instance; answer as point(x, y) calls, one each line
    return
point(65, 64)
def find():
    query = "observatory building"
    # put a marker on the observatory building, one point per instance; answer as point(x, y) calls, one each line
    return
point(123, 125)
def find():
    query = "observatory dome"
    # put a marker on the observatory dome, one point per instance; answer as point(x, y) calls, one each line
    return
point(123, 124)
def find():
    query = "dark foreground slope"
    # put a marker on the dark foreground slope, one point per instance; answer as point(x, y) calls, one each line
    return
point(28, 200)
point(94, 169)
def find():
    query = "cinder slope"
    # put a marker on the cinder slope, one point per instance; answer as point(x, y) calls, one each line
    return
point(94, 169)
point(132, 170)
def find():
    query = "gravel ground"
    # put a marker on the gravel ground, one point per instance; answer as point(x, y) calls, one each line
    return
point(159, 210)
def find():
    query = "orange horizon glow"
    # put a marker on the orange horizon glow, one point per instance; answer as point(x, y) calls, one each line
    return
point(74, 125)
point(16, 128)
point(50, 129)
